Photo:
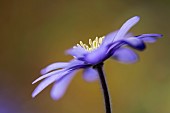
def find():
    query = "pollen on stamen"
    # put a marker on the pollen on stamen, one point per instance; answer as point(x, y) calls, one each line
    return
point(92, 44)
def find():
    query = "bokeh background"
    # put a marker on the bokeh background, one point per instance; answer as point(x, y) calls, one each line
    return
point(35, 33)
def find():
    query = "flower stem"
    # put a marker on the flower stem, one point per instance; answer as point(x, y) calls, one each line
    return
point(99, 68)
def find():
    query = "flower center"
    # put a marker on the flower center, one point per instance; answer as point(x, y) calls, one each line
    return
point(92, 44)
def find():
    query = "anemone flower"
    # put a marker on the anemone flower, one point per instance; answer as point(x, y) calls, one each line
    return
point(116, 45)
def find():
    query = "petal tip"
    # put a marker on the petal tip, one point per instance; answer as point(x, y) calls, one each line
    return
point(56, 98)
point(160, 35)
point(157, 35)
point(35, 81)
point(42, 71)
point(136, 18)
point(33, 95)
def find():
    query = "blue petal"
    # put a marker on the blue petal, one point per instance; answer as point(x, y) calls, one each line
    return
point(54, 66)
point(77, 52)
point(60, 87)
point(126, 27)
point(125, 55)
point(48, 75)
point(68, 66)
point(109, 38)
point(134, 43)
point(90, 75)
point(75, 62)
point(96, 56)
point(150, 38)
point(47, 82)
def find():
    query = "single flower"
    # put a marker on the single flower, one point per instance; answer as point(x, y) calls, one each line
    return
point(116, 45)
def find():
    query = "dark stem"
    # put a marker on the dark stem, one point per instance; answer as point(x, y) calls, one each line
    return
point(99, 68)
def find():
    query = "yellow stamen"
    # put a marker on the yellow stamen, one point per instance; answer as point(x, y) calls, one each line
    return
point(92, 44)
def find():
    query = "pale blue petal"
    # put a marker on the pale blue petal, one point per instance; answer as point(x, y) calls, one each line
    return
point(54, 66)
point(60, 87)
point(77, 52)
point(109, 38)
point(126, 27)
point(150, 38)
point(125, 36)
point(125, 55)
point(47, 75)
point(46, 82)
point(75, 62)
point(69, 65)
point(96, 56)
point(134, 43)
point(90, 75)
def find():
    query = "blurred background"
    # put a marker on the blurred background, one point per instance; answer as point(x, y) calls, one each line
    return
point(36, 33)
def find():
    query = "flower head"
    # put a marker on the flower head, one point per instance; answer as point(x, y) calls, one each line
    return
point(116, 45)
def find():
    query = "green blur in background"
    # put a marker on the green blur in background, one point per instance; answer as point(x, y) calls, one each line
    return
point(36, 33)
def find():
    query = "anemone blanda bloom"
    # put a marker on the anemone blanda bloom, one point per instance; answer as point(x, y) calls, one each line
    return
point(116, 45)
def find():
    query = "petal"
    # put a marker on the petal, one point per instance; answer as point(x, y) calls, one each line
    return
point(54, 66)
point(126, 27)
point(60, 87)
point(90, 75)
point(72, 64)
point(125, 55)
point(77, 51)
point(150, 38)
point(134, 43)
point(75, 62)
point(47, 82)
point(47, 75)
point(109, 38)
point(96, 56)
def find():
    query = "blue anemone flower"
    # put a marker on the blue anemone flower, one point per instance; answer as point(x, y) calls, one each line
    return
point(116, 45)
